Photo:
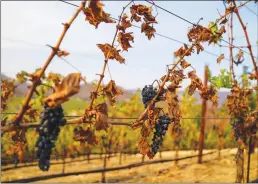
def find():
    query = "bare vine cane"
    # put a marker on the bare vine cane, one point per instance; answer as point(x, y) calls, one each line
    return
point(231, 39)
point(38, 75)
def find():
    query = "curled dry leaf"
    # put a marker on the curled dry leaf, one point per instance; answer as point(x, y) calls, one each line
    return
point(148, 30)
point(7, 90)
point(181, 51)
point(61, 53)
point(124, 38)
point(184, 64)
point(19, 135)
point(69, 86)
point(199, 31)
point(112, 91)
point(111, 53)
point(174, 109)
point(102, 117)
point(95, 13)
point(147, 128)
point(142, 10)
point(195, 82)
point(85, 135)
point(145, 148)
point(209, 94)
point(124, 24)
point(220, 58)
point(199, 47)
point(205, 92)
point(134, 16)
point(16, 149)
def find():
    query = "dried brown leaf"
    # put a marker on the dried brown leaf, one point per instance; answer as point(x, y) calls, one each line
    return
point(148, 30)
point(95, 13)
point(112, 91)
point(220, 58)
point(61, 53)
point(184, 64)
point(124, 24)
point(102, 117)
point(69, 86)
point(111, 53)
point(124, 39)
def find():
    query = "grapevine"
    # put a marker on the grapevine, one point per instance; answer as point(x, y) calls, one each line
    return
point(96, 115)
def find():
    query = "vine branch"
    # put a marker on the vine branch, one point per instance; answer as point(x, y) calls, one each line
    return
point(231, 39)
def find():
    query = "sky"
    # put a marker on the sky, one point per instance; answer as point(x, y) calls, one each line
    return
point(28, 26)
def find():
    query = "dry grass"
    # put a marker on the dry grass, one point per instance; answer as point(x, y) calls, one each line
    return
point(212, 170)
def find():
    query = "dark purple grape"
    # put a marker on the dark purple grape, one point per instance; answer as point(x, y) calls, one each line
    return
point(50, 120)
point(161, 128)
point(148, 93)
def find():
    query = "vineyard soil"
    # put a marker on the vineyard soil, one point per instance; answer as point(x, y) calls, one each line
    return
point(212, 170)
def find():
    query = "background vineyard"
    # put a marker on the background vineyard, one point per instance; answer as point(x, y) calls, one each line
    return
point(131, 108)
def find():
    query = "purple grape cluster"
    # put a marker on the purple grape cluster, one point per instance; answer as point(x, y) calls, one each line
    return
point(236, 129)
point(161, 128)
point(148, 93)
point(50, 120)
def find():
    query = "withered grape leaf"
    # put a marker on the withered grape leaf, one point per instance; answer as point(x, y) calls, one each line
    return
point(145, 148)
point(102, 117)
point(95, 13)
point(148, 30)
point(61, 53)
point(184, 64)
point(69, 86)
point(220, 58)
point(111, 53)
point(143, 11)
point(112, 91)
point(85, 135)
point(124, 38)
point(124, 23)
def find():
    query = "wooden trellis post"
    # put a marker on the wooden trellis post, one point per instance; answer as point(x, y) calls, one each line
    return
point(203, 121)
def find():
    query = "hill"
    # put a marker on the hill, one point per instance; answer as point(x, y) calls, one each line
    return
point(85, 90)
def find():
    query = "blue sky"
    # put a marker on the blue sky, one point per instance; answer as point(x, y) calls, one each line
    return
point(36, 24)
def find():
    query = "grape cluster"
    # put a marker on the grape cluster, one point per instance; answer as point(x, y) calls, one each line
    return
point(236, 130)
point(161, 128)
point(148, 93)
point(50, 120)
